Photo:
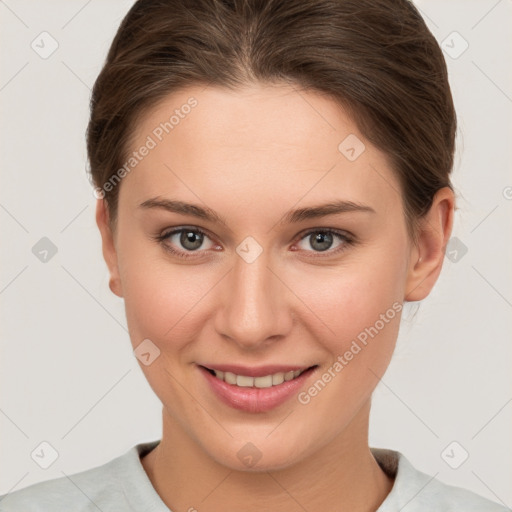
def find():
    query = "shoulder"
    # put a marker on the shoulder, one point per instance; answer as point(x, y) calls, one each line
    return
point(421, 492)
point(77, 492)
point(100, 488)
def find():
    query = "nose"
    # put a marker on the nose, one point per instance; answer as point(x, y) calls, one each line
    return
point(253, 309)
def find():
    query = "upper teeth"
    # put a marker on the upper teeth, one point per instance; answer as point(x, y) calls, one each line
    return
point(260, 382)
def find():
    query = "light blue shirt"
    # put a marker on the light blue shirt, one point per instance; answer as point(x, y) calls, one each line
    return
point(123, 485)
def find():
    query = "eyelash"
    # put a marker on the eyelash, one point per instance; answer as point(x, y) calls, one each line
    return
point(343, 236)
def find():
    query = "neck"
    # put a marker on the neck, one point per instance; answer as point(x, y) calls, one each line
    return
point(343, 472)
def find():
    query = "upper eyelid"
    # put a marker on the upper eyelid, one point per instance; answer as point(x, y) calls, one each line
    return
point(174, 231)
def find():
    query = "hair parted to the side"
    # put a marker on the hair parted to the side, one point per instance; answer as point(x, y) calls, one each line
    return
point(376, 58)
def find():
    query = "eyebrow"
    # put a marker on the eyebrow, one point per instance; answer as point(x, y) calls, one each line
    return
point(293, 216)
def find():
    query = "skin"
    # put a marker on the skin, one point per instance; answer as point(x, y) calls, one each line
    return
point(251, 156)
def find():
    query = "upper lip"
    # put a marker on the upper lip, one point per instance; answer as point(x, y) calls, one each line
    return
point(254, 371)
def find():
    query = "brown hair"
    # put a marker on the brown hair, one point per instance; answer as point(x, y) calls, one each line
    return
point(376, 58)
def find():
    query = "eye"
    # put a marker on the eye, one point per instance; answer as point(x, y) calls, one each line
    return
point(188, 242)
point(321, 240)
point(183, 241)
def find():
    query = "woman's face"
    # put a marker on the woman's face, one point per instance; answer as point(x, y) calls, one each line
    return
point(263, 286)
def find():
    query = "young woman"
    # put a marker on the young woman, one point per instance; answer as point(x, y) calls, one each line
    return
point(273, 185)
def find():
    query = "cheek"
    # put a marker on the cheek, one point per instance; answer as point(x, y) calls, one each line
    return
point(162, 301)
point(159, 296)
point(350, 297)
point(361, 305)
point(358, 309)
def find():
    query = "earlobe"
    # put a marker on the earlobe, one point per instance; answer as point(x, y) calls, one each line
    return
point(108, 247)
point(427, 255)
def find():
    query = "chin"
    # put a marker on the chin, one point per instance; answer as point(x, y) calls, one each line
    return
point(258, 455)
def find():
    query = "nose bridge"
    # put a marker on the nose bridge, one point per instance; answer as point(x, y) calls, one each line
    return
point(253, 307)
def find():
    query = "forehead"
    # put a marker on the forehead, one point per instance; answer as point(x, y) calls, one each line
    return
point(262, 144)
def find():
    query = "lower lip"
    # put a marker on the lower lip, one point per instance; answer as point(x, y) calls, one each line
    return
point(252, 399)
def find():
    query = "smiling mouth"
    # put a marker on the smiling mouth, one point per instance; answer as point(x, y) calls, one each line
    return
point(265, 381)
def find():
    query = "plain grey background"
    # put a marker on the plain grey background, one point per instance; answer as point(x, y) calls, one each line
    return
point(67, 373)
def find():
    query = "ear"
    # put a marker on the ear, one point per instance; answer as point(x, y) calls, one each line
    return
point(427, 254)
point(108, 246)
